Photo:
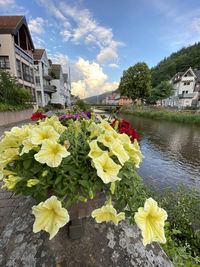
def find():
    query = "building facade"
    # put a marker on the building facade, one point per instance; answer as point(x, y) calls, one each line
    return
point(16, 51)
point(186, 89)
point(44, 89)
point(62, 94)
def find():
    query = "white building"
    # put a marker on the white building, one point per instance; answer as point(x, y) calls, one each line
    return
point(62, 91)
point(16, 51)
point(44, 89)
point(186, 89)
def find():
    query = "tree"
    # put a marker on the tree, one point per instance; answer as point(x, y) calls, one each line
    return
point(160, 92)
point(136, 82)
point(11, 91)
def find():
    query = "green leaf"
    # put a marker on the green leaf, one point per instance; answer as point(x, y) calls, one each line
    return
point(84, 183)
point(27, 164)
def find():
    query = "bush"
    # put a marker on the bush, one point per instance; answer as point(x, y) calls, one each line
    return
point(183, 227)
point(10, 107)
point(11, 91)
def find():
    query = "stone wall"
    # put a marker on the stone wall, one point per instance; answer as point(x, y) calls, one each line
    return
point(8, 117)
point(101, 245)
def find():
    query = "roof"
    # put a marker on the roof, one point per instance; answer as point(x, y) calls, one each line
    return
point(8, 24)
point(12, 24)
point(38, 53)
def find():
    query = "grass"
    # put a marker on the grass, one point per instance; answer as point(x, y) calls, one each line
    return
point(184, 116)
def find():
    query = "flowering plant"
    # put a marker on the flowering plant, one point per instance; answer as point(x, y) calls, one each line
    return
point(60, 165)
point(37, 116)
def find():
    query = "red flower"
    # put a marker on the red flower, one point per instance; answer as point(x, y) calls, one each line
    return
point(124, 124)
point(37, 116)
point(125, 127)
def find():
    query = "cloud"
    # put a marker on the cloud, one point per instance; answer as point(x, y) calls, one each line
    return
point(195, 25)
point(36, 25)
point(108, 53)
point(79, 26)
point(6, 3)
point(38, 42)
point(113, 65)
point(93, 80)
point(59, 58)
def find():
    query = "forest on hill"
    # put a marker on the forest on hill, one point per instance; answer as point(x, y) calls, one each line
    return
point(178, 61)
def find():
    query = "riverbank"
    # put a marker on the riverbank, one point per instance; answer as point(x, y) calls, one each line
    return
point(184, 116)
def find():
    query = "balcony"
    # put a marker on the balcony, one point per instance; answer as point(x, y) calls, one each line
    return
point(22, 53)
point(191, 95)
point(49, 88)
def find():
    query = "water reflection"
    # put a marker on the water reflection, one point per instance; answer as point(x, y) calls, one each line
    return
point(171, 150)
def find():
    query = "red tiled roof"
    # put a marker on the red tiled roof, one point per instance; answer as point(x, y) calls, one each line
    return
point(38, 53)
point(10, 23)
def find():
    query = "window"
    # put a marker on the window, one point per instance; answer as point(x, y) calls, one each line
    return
point(37, 80)
point(27, 73)
point(19, 70)
point(4, 62)
point(186, 83)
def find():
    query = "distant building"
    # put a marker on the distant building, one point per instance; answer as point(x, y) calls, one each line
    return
point(186, 89)
point(44, 89)
point(62, 94)
point(116, 99)
point(124, 100)
point(16, 51)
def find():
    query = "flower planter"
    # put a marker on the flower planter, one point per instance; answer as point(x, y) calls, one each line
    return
point(82, 210)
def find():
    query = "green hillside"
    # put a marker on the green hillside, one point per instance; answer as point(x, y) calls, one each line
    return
point(178, 61)
point(97, 98)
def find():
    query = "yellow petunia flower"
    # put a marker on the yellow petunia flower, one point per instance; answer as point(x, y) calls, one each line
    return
point(27, 146)
point(11, 181)
point(94, 130)
point(104, 125)
point(95, 151)
point(107, 169)
point(107, 213)
point(134, 152)
point(49, 216)
point(32, 182)
point(41, 134)
point(150, 220)
point(55, 123)
point(51, 153)
point(117, 149)
point(106, 139)
point(9, 155)
point(7, 142)
point(124, 138)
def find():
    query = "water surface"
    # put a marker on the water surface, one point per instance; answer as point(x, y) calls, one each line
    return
point(171, 150)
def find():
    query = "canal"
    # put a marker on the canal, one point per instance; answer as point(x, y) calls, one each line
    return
point(171, 150)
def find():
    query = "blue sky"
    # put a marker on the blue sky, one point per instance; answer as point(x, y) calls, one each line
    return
point(101, 38)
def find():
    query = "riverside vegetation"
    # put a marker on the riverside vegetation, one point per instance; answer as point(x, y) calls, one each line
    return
point(159, 113)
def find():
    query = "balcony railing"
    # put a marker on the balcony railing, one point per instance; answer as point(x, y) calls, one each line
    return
point(25, 55)
point(49, 88)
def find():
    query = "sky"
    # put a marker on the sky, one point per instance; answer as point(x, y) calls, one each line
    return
point(99, 39)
